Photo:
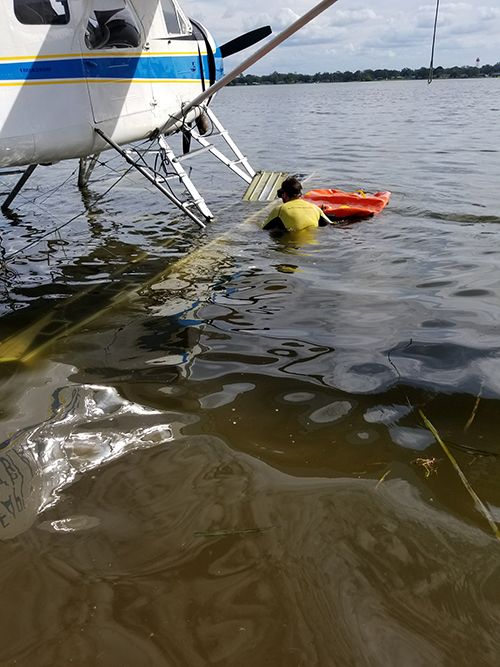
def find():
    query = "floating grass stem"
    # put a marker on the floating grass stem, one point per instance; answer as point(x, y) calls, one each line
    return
point(227, 532)
point(387, 472)
point(473, 414)
point(479, 503)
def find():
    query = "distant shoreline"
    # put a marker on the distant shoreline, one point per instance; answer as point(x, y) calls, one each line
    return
point(406, 74)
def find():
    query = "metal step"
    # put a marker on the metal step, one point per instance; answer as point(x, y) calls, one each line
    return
point(265, 185)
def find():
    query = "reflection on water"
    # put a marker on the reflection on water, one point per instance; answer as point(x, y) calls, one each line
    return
point(87, 427)
point(217, 457)
point(334, 566)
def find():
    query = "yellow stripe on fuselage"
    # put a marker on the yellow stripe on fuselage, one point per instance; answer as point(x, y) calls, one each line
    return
point(100, 54)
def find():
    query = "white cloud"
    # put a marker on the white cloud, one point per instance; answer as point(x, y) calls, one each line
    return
point(350, 17)
point(355, 35)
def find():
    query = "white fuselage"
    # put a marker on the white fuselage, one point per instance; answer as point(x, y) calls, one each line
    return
point(60, 81)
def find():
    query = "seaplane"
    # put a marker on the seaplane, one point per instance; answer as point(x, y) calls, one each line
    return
point(78, 77)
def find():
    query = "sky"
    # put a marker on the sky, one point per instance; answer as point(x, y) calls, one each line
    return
point(351, 35)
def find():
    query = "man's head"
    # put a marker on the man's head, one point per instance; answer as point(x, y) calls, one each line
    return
point(290, 189)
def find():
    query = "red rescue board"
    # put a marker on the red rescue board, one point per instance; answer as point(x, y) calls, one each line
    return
point(340, 205)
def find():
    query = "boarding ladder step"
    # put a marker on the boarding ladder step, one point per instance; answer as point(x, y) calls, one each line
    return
point(236, 161)
point(232, 158)
point(191, 154)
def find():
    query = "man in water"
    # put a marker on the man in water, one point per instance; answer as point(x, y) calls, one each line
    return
point(294, 214)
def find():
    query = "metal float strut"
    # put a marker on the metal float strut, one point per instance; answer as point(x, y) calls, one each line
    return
point(171, 166)
point(152, 178)
point(19, 185)
point(175, 162)
point(85, 169)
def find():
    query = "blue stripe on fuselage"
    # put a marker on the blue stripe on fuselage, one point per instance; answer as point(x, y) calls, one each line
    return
point(115, 67)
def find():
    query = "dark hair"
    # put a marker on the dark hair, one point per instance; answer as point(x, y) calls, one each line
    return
point(291, 186)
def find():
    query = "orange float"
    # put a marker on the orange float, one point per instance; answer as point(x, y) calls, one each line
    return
point(340, 205)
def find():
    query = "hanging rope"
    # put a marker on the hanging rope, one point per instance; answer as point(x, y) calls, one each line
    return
point(431, 66)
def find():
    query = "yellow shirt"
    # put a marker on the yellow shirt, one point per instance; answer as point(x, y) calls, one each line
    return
point(295, 215)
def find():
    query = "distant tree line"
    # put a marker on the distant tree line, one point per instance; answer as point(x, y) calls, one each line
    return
point(369, 75)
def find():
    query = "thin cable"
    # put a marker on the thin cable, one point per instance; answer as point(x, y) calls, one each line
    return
point(135, 149)
point(42, 198)
point(431, 66)
point(64, 224)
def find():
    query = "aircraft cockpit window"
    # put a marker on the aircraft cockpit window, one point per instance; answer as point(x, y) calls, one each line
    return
point(112, 25)
point(176, 22)
point(42, 12)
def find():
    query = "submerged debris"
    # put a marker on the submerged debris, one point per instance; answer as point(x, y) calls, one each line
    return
point(428, 464)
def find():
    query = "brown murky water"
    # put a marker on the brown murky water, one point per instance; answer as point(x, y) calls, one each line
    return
point(221, 460)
